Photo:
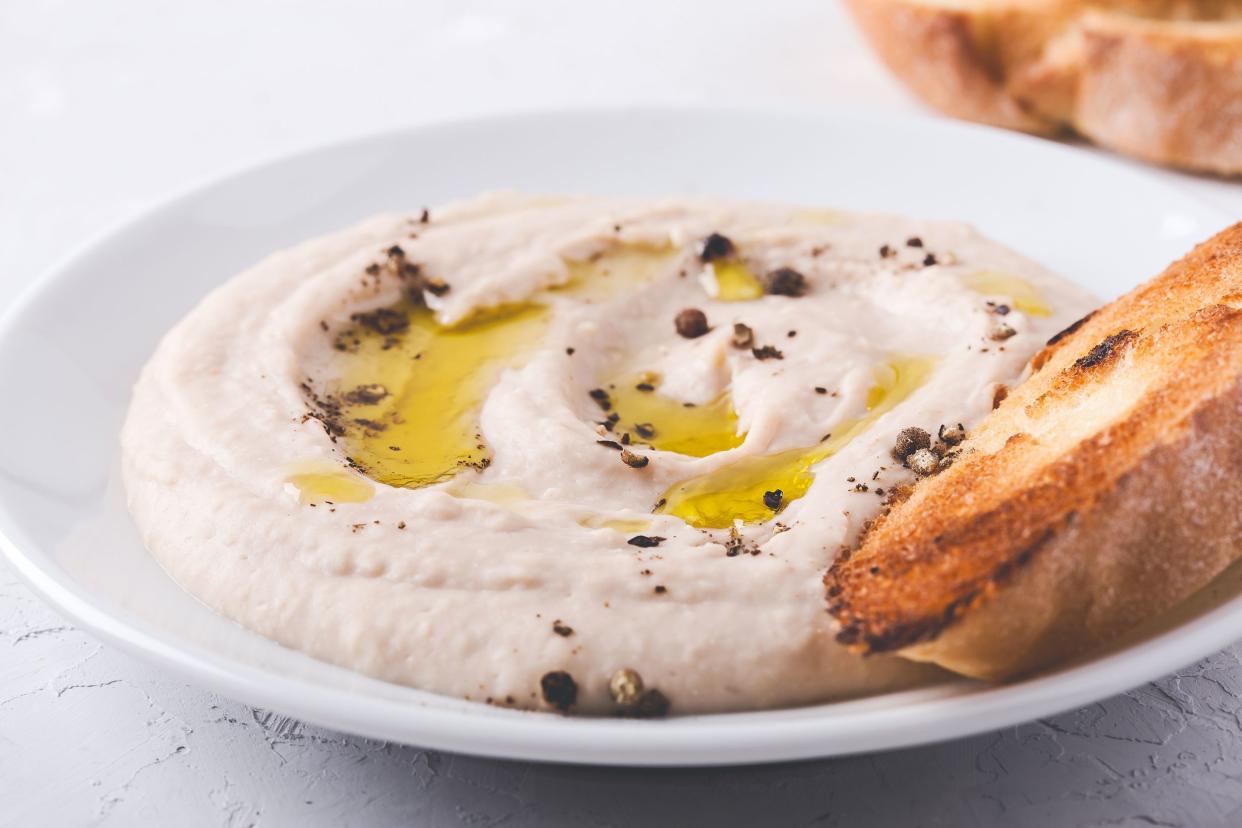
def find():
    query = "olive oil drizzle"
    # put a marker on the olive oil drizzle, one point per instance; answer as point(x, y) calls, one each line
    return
point(1024, 296)
point(736, 492)
point(435, 378)
point(418, 423)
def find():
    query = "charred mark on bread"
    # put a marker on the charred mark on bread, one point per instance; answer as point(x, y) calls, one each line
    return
point(1069, 329)
point(1090, 368)
point(1107, 351)
point(1053, 345)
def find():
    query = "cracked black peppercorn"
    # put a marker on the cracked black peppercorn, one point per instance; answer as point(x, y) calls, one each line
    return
point(784, 281)
point(691, 323)
point(716, 247)
point(559, 690)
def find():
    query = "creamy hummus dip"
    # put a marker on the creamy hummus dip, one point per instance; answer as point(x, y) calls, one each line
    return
point(520, 449)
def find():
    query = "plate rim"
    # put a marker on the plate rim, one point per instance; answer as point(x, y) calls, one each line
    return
point(740, 738)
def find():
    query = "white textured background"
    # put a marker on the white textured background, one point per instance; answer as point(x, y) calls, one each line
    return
point(106, 107)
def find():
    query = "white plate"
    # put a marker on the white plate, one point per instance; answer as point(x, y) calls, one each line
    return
point(72, 346)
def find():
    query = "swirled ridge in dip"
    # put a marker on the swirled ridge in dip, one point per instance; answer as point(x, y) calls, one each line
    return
point(590, 455)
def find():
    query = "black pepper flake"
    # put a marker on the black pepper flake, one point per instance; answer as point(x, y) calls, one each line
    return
point(736, 545)
point(784, 281)
point(819, 389)
point(1001, 331)
point(425, 217)
point(929, 260)
point(691, 323)
point(716, 247)
point(612, 444)
point(559, 690)
point(651, 704)
point(773, 499)
point(914, 241)
point(382, 320)
point(887, 252)
point(569, 352)
point(660, 589)
point(634, 461)
point(646, 541)
point(401, 524)
point(767, 352)
point(395, 252)
point(645, 387)
point(562, 629)
point(644, 430)
point(366, 394)
point(601, 398)
point(743, 336)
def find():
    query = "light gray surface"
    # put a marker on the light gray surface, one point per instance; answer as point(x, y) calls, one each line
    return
point(107, 107)
point(88, 735)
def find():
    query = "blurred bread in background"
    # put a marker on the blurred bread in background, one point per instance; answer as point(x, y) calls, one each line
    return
point(1157, 79)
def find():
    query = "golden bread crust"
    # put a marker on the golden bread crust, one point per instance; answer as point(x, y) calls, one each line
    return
point(937, 52)
point(1105, 489)
point(1168, 94)
point(1157, 79)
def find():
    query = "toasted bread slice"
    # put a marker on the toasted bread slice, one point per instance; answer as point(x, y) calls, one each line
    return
point(1158, 79)
point(1105, 488)
point(957, 56)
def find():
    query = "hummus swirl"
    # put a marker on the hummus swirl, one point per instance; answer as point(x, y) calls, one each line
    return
point(470, 450)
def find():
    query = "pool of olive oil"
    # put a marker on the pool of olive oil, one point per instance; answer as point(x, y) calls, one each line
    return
point(322, 481)
point(668, 424)
point(425, 428)
point(735, 282)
